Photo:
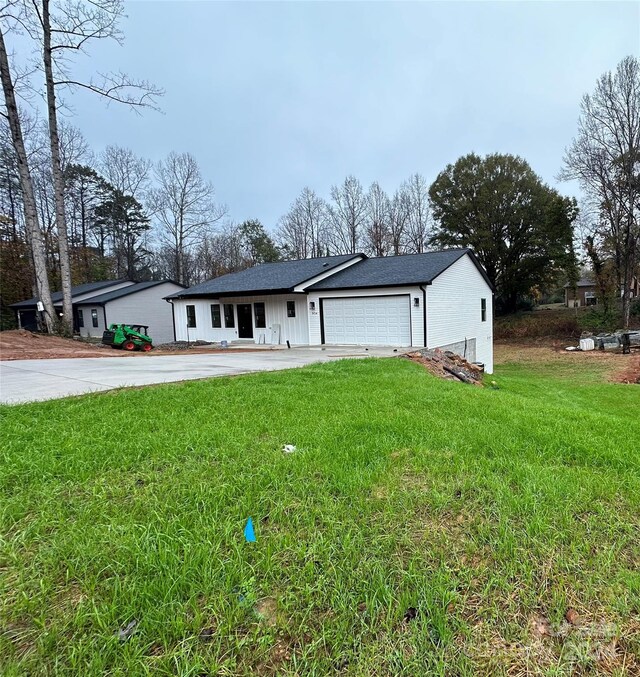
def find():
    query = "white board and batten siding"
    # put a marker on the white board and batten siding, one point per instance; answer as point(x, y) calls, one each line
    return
point(400, 319)
point(292, 329)
point(454, 313)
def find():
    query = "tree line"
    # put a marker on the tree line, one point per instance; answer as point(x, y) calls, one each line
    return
point(125, 217)
point(526, 234)
point(70, 215)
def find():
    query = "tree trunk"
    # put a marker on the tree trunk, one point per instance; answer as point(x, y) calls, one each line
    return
point(58, 179)
point(34, 233)
point(626, 294)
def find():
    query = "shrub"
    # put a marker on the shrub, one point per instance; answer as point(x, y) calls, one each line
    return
point(634, 311)
point(538, 324)
point(597, 320)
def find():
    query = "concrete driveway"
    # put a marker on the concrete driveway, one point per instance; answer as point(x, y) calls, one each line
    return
point(31, 380)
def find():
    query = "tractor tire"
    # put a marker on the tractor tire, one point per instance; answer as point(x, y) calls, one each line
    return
point(146, 347)
point(129, 345)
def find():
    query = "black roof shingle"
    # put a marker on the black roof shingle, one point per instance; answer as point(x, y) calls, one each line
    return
point(392, 271)
point(267, 278)
point(78, 290)
point(101, 299)
point(582, 282)
point(282, 277)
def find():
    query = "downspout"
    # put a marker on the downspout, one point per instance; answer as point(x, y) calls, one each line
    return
point(173, 319)
point(104, 312)
point(424, 312)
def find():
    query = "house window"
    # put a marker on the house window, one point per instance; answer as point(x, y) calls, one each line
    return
point(80, 318)
point(216, 320)
point(291, 308)
point(191, 317)
point(94, 317)
point(590, 298)
point(483, 309)
point(228, 316)
point(261, 320)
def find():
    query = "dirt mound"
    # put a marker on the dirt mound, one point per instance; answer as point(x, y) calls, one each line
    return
point(19, 344)
point(448, 365)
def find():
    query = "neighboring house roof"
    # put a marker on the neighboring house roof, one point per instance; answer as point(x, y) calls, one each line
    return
point(101, 299)
point(78, 290)
point(582, 282)
point(395, 271)
point(267, 278)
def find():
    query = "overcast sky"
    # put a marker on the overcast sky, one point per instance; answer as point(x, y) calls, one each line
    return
point(271, 97)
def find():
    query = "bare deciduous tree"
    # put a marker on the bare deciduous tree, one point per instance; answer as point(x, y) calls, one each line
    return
point(183, 204)
point(417, 191)
point(221, 253)
point(347, 216)
point(60, 33)
point(377, 230)
point(398, 219)
point(125, 171)
point(34, 233)
point(605, 158)
point(303, 229)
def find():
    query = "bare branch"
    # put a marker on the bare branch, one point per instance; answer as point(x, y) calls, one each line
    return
point(120, 88)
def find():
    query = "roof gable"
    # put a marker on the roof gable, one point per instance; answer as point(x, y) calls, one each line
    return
point(395, 271)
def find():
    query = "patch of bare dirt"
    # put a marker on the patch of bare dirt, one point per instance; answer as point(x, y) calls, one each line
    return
point(19, 344)
point(267, 609)
point(617, 367)
point(631, 374)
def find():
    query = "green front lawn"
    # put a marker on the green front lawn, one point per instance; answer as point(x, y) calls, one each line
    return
point(421, 527)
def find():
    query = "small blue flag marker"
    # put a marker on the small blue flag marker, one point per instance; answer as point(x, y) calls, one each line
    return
point(249, 533)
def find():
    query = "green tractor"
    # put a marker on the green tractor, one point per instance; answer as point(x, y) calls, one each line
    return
point(128, 337)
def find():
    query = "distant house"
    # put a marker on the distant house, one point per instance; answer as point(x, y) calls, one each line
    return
point(98, 304)
point(439, 299)
point(586, 292)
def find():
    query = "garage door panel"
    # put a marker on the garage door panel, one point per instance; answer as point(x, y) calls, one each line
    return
point(370, 320)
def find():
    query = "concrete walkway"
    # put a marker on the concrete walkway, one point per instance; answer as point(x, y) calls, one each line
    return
point(31, 380)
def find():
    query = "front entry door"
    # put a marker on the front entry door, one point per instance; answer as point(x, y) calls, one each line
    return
point(245, 321)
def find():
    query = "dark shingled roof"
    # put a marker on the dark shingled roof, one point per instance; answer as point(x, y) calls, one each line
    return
point(582, 282)
point(392, 271)
point(266, 278)
point(78, 290)
point(101, 299)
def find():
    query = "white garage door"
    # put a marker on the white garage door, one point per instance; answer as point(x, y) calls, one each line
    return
point(368, 320)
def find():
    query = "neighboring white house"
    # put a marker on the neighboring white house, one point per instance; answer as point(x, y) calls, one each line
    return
point(438, 299)
point(26, 311)
point(136, 303)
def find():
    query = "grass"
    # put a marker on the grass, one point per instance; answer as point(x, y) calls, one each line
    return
point(421, 527)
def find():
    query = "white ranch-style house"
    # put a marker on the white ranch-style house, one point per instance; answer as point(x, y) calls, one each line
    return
point(439, 299)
